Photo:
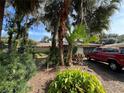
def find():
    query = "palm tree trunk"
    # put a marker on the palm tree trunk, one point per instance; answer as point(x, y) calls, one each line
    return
point(62, 29)
point(2, 5)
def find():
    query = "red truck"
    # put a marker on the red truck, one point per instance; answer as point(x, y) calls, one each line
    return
point(114, 56)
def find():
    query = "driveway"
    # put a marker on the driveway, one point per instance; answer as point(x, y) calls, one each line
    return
point(113, 81)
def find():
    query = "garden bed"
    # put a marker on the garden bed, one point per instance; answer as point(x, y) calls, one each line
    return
point(40, 81)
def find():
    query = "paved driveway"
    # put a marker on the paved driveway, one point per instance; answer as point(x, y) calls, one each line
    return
point(113, 81)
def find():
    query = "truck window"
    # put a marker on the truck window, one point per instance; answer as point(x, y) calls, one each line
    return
point(122, 51)
point(111, 50)
point(97, 50)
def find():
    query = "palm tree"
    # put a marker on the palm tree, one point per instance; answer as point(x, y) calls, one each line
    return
point(81, 33)
point(55, 19)
point(95, 13)
point(64, 12)
point(99, 21)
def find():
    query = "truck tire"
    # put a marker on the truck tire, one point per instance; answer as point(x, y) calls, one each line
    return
point(114, 66)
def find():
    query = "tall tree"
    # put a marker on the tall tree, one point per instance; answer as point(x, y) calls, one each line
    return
point(51, 20)
point(56, 15)
point(64, 12)
point(95, 13)
point(98, 19)
point(24, 7)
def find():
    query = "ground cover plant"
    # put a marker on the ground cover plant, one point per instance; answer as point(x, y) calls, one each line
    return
point(76, 81)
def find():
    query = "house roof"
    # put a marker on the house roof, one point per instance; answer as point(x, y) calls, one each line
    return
point(114, 45)
point(41, 44)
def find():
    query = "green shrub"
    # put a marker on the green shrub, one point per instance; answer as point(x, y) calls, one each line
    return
point(75, 81)
point(15, 70)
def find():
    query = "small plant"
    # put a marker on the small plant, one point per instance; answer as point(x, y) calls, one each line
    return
point(76, 81)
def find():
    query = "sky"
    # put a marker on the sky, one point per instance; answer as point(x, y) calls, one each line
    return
point(38, 32)
point(116, 26)
point(117, 21)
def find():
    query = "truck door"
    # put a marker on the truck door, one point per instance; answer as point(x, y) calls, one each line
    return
point(108, 53)
point(120, 57)
point(97, 54)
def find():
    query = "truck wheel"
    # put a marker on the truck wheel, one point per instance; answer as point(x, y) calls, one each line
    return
point(114, 66)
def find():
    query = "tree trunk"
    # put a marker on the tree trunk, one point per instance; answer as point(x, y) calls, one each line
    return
point(61, 46)
point(25, 36)
point(54, 36)
point(18, 29)
point(53, 56)
point(18, 20)
point(10, 42)
point(53, 47)
point(62, 29)
point(25, 39)
point(69, 55)
point(2, 5)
